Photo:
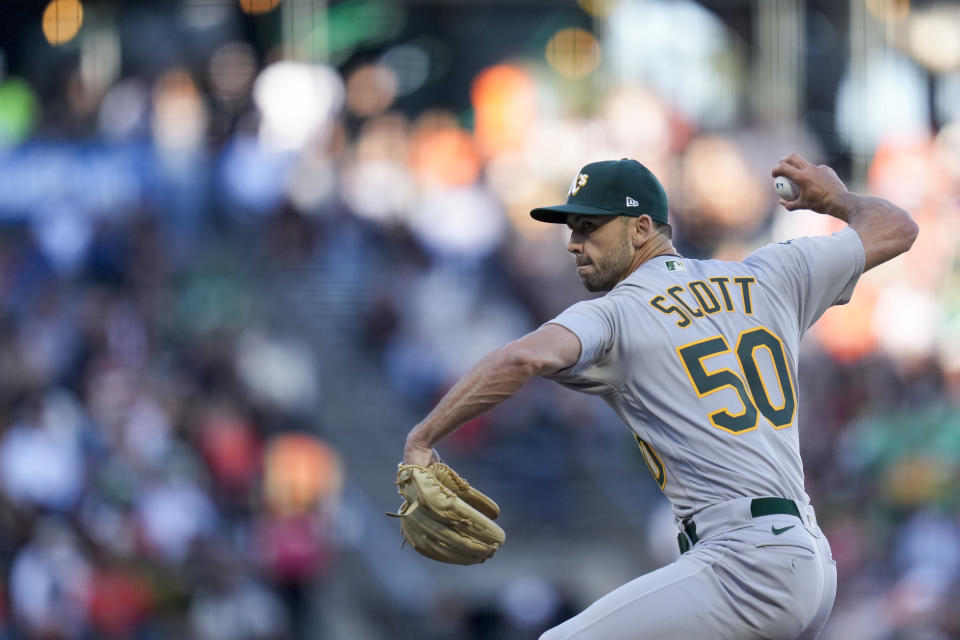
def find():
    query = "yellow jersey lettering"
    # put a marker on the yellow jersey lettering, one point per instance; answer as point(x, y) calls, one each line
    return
point(707, 301)
point(657, 303)
point(701, 291)
point(745, 283)
point(722, 283)
point(673, 291)
point(653, 462)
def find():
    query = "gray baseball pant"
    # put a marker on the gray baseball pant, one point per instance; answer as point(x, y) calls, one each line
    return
point(746, 576)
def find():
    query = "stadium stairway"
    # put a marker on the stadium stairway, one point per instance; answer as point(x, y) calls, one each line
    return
point(366, 419)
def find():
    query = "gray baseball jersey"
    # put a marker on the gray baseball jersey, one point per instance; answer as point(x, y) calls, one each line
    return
point(699, 359)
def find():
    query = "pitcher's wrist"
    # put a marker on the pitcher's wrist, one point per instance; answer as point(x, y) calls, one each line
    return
point(842, 205)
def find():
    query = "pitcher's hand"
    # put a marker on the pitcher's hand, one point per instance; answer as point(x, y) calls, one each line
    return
point(820, 188)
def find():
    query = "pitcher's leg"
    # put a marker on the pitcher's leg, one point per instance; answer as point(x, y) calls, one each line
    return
point(812, 632)
point(751, 584)
point(680, 600)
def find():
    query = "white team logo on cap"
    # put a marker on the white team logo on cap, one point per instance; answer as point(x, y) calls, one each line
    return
point(578, 182)
point(631, 202)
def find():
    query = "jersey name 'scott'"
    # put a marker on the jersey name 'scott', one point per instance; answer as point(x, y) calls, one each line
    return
point(699, 359)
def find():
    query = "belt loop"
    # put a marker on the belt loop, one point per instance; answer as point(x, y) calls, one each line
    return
point(807, 515)
point(688, 536)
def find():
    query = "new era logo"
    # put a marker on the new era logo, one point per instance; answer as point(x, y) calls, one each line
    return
point(631, 202)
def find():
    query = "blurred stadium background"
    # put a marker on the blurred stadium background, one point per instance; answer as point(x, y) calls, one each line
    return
point(246, 244)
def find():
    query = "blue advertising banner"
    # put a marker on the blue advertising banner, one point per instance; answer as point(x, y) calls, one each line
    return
point(95, 179)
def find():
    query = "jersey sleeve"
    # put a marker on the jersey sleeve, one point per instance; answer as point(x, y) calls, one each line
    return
point(596, 323)
point(812, 274)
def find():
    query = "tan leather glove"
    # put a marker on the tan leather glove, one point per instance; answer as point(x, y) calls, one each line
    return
point(444, 518)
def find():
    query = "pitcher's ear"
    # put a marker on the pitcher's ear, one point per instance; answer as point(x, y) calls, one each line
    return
point(641, 228)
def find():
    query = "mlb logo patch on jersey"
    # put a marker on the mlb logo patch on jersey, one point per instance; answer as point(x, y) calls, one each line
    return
point(674, 265)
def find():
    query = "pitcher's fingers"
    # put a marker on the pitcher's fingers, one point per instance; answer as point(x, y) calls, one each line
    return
point(795, 160)
point(784, 169)
point(791, 205)
point(831, 170)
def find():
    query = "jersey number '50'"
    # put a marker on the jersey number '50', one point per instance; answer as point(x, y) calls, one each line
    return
point(750, 387)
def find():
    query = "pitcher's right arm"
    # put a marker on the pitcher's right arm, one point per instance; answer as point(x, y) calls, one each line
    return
point(885, 229)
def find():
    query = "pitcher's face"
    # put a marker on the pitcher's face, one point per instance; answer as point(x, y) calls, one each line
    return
point(602, 247)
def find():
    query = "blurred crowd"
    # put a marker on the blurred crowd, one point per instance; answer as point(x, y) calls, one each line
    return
point(166, 469)
point(155, 481)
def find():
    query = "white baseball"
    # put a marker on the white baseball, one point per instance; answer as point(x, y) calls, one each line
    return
point(786, 187)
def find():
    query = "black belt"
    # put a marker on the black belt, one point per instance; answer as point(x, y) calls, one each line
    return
point(758, 507)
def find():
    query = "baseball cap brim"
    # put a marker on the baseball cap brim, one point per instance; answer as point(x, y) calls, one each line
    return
point(559, 212)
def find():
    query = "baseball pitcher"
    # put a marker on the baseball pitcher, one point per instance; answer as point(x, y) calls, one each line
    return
point(699, 359)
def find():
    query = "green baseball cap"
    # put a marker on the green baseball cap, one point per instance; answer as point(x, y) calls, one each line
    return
point(610, 188)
